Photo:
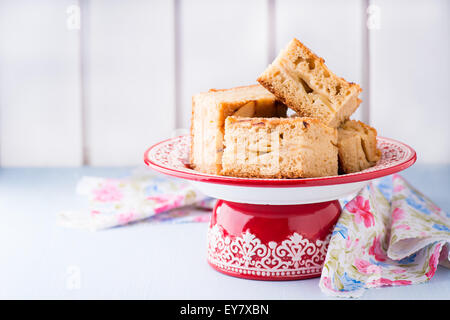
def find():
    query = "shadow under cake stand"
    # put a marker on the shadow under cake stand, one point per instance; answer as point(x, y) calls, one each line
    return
point(273, 229)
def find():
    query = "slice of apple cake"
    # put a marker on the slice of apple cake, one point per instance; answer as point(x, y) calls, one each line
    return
point(357, 146)
point(302, 81)
point(279, 148)
point(209, 111)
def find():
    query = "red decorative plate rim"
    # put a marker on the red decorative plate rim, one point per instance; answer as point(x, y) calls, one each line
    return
point(388, 164)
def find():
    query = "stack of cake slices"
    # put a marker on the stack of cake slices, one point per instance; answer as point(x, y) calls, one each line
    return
point(245, 131)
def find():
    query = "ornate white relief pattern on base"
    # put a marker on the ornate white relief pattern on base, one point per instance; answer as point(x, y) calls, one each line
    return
point(246, 254)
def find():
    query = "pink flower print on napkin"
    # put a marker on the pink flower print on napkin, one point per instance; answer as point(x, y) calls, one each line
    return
point(376, 250)
point(366, 267)
point(386, 282)
point(397, 214)
point(166, 202)
point(201, 218)
point(125, 218)
point(326, 281)
point(348, 242)
point(398, 188)
point(360, 208)
point(108, 192)
point(433, 262)
point(398, 270)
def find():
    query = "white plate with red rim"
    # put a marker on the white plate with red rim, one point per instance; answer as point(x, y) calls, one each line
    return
point(171, 157)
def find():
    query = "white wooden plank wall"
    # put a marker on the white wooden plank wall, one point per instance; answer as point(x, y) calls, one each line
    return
point(129, 78)
point(40, 119)
point(410, 75)
point(101, 93)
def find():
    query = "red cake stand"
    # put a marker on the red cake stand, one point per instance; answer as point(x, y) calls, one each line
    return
point(273, 229)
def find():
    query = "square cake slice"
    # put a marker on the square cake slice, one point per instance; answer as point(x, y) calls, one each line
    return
point(209, 111)
point(302, 81)
point(279, 148)
point(357, 146)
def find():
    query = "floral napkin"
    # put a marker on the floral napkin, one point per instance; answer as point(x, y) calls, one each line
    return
point(143, 197)
point(389, 234)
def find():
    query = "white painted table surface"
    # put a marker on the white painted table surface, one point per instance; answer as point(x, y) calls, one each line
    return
point(39, 259)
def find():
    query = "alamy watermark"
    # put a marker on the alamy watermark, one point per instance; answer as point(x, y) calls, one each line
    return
point(73, 21)
point(73, 278)
point(373, 17)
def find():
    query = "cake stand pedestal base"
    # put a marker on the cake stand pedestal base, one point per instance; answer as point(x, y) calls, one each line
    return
point(271, 242)
point(284, 233)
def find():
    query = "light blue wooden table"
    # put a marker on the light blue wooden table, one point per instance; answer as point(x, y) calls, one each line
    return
point(41, 260)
